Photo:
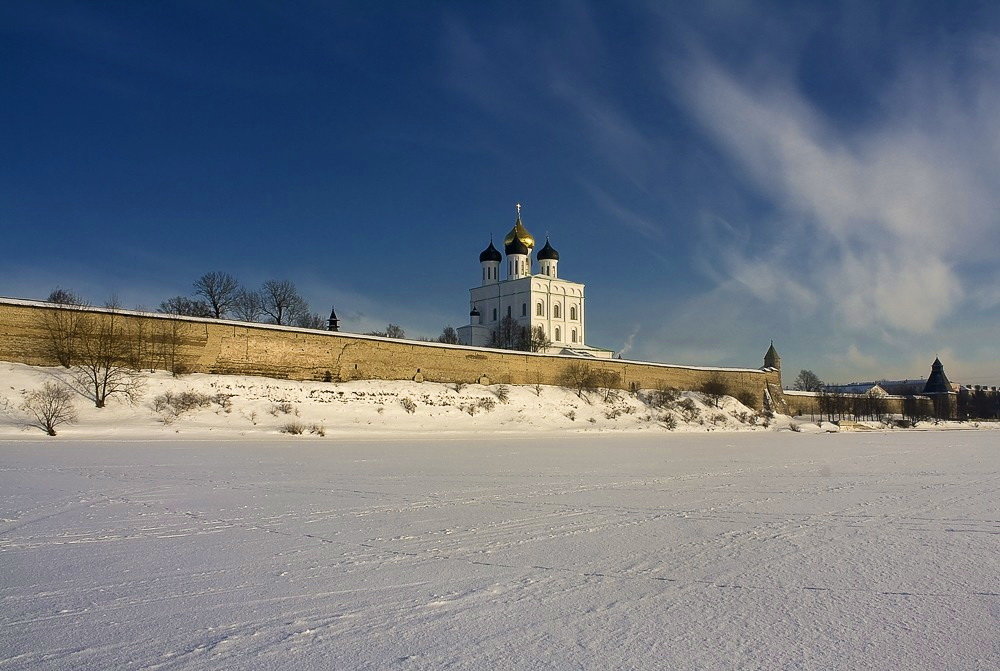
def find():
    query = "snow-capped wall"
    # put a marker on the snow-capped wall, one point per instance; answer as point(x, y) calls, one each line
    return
point(193, 344)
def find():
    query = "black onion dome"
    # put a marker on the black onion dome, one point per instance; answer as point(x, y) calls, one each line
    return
point(491, 253)
point(474, 312)
point(515, 246)
point(547, 252)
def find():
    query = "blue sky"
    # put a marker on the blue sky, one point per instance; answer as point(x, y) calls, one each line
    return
point(718, 173)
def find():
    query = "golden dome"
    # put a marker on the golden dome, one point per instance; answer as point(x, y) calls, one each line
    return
point(520, 232)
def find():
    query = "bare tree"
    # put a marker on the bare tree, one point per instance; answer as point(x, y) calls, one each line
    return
point(101, 361)
point(309, 320)
point(62, 328)
point(579, 377)
point(220, 291)
point(181, 305)
point(509, 334)
point(391, 331)
point(607, 382)
point(807, 381)
point(249, 306)
point(539, 342)
point(165, 347)
point(49, 407)
point(448, 336)
point(281, 301)
point(714, 388)
point(64, 297)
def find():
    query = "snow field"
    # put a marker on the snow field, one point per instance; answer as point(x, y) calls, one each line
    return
point(692, 551)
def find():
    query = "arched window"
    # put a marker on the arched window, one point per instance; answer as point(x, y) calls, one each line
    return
point(508, 311)
point(524, 309)
point(572, 314)
point(573, 335)
point(556, 312)
point(494, 314)
point(539, 309)
point(558, 334)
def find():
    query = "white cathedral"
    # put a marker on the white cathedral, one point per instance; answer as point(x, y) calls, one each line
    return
point(543, 300)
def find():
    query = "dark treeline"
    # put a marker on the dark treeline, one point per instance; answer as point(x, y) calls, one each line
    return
point(978, 403)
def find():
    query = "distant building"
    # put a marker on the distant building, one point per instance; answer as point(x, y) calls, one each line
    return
point(942, 393)
point(859, 388)
point(542, 300)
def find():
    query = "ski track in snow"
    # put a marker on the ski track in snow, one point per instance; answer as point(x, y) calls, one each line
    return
point(762, 551)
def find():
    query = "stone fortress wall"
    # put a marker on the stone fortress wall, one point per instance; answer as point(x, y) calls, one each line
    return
point(201, 345)
point(808, 403)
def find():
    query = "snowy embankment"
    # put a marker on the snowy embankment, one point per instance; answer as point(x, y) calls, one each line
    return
point(228, 406)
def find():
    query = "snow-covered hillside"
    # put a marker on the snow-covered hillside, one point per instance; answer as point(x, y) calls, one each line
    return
point(235, 406)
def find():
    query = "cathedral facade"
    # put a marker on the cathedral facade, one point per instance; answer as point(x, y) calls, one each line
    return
point(543, 300)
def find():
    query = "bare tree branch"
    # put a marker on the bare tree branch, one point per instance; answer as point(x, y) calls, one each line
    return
point(49, 407)
point(220, 290)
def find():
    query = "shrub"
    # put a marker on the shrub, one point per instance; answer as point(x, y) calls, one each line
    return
point(689, 411)
point(502, 393)
point(294, 428)
point(187, 400)
point(408, 405)
point(747, 398)
point(283, 408)
point(224, 401)
point(669, 421)
point(612, 413)
point(795, 427)
point(49, 407)
point(571, 415)
point(317, 429)
point(487, 404)
point(664, 397)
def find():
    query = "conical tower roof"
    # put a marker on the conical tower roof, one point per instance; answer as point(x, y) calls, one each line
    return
point(938, 382)
point(771, 358)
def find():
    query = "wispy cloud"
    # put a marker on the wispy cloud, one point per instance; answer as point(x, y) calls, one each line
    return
point(877, 223)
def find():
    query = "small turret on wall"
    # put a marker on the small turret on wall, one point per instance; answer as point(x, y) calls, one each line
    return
point(771, 358)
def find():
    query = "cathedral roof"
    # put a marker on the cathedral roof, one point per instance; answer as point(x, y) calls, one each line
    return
point(519, 233)
point(548, 252)
point(514, 245)
point(491, 253)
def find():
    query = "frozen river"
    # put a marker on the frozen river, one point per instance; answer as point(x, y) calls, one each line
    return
point(713, 551)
